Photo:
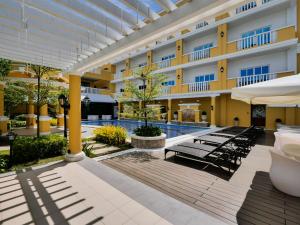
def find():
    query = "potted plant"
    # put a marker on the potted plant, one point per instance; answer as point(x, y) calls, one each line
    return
point(236, 121)
point(175, 115)
point(204, 116)
point(145, 136)
point(278, 123)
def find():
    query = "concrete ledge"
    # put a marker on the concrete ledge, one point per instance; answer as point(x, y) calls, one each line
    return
point(74, 157)
point(148, 142)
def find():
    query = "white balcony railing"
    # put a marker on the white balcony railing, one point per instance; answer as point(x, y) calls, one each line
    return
point(256, 40)
point(118, 76)
point(163, 64)
point(253, 79)
point(89, 90)
point(198, 86)
point(137, 69)
point(197, 55)
point(166, 90)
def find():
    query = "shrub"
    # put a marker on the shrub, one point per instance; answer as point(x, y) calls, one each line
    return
point(112, 135)
point(27, 149)
point(148, 131)
point(87, 148)
point(17, 123)
point(53, 122)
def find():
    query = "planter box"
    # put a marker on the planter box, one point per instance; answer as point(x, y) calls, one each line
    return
point(148, 142)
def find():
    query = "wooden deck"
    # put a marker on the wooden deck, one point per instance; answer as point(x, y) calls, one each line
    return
point(247, 197)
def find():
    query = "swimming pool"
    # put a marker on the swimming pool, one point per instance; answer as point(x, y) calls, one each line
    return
point(171, 130)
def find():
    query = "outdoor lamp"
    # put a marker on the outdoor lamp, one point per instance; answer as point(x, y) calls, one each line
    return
point(11, 137)
point(64, 103)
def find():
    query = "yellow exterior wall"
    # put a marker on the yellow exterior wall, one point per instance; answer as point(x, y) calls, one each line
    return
point(238, 109)
point(286, 33)
point(222, 16)
point(272, 114)
point(179, 52)
point(297, 116)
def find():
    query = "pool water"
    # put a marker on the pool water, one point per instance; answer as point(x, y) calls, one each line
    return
point(171, 130)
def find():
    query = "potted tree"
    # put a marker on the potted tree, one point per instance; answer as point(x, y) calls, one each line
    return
point(146, 136)
point(278, 123)
point(236, 121)
point(204, 116)
point(175, 115)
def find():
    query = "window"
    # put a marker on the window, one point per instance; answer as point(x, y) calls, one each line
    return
point(201, 47)
point(202, 24)
point(256, 37)
point(258, 70)
point(206, 77)
point(168, 83)
point(142, 64)
point(246, 7)
point(168, 57)
point(142, 87)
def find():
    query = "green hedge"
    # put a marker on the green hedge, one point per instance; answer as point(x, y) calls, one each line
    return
point(148, 131)
point(112, 135)
point(27, 149)
point(17, 123)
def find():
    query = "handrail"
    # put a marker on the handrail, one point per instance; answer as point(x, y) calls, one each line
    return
point(198, 86)
point(264, 38)
point(166, 90)
point(197, 55)
point(253, 79)
point(90, 90)
point(164, 63)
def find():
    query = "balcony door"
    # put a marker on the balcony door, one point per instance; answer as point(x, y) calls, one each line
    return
point(258, 115)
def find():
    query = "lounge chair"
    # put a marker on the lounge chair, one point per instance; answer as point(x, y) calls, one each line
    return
point(223, 154)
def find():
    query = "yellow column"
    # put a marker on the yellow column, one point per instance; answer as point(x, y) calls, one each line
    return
point(213, 112)
point(169, 111)
point(119, 110)
point(3, 119)
point(180, 116)
point(179, 80)
point(74, 153)
point(30, 117)
point(197, 116)
point(290, 116)
point(179, 51)
point(60, 116)
point(44, 120)
point(223, 110)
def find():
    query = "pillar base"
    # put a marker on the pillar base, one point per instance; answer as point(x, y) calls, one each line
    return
point(74, 157)
point(213, 126)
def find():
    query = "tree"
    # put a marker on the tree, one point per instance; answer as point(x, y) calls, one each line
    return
point(146, 93)
point(5, 67)
point(42, 94)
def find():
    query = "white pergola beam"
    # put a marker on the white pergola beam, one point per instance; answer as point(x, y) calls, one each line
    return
point(145, 11)
point(119, 14)
point(167, 5)
point(52, 10)
point(91, 13)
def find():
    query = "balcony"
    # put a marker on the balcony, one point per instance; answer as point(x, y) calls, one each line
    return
point(89, 90)
point(163, 64)
point(198, 55)
point(166, 90)
point(253, 79)
point(196, 87)
point(256, 40)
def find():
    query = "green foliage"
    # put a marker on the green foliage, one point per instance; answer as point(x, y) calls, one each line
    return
point(87, 148)
point(4, 159)
point(146, 96)
point(112, 135)
point(53, 122)
point(5, 67)
point(27, 149)
point(147, 131)
point(17, 123)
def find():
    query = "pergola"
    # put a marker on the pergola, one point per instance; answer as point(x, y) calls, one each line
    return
point(78, 36)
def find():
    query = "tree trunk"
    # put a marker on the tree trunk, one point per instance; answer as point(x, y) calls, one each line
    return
point(38, 106)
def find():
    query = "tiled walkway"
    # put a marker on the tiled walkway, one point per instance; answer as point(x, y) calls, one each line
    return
point(88, 192)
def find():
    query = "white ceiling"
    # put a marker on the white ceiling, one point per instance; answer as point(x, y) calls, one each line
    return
point(82, 34)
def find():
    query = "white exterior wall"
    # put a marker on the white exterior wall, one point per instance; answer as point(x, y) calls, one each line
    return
point(164, 51)
point(170, 76)
point(119, 86)
point(197, 40)
point(120, 66)
point(275, 20)
point(134, 62)
point(189, 74)
point(277, 62)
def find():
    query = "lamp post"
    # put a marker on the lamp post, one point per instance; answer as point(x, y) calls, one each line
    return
point(11, 137)
point(86, 101)
point(64, 103)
